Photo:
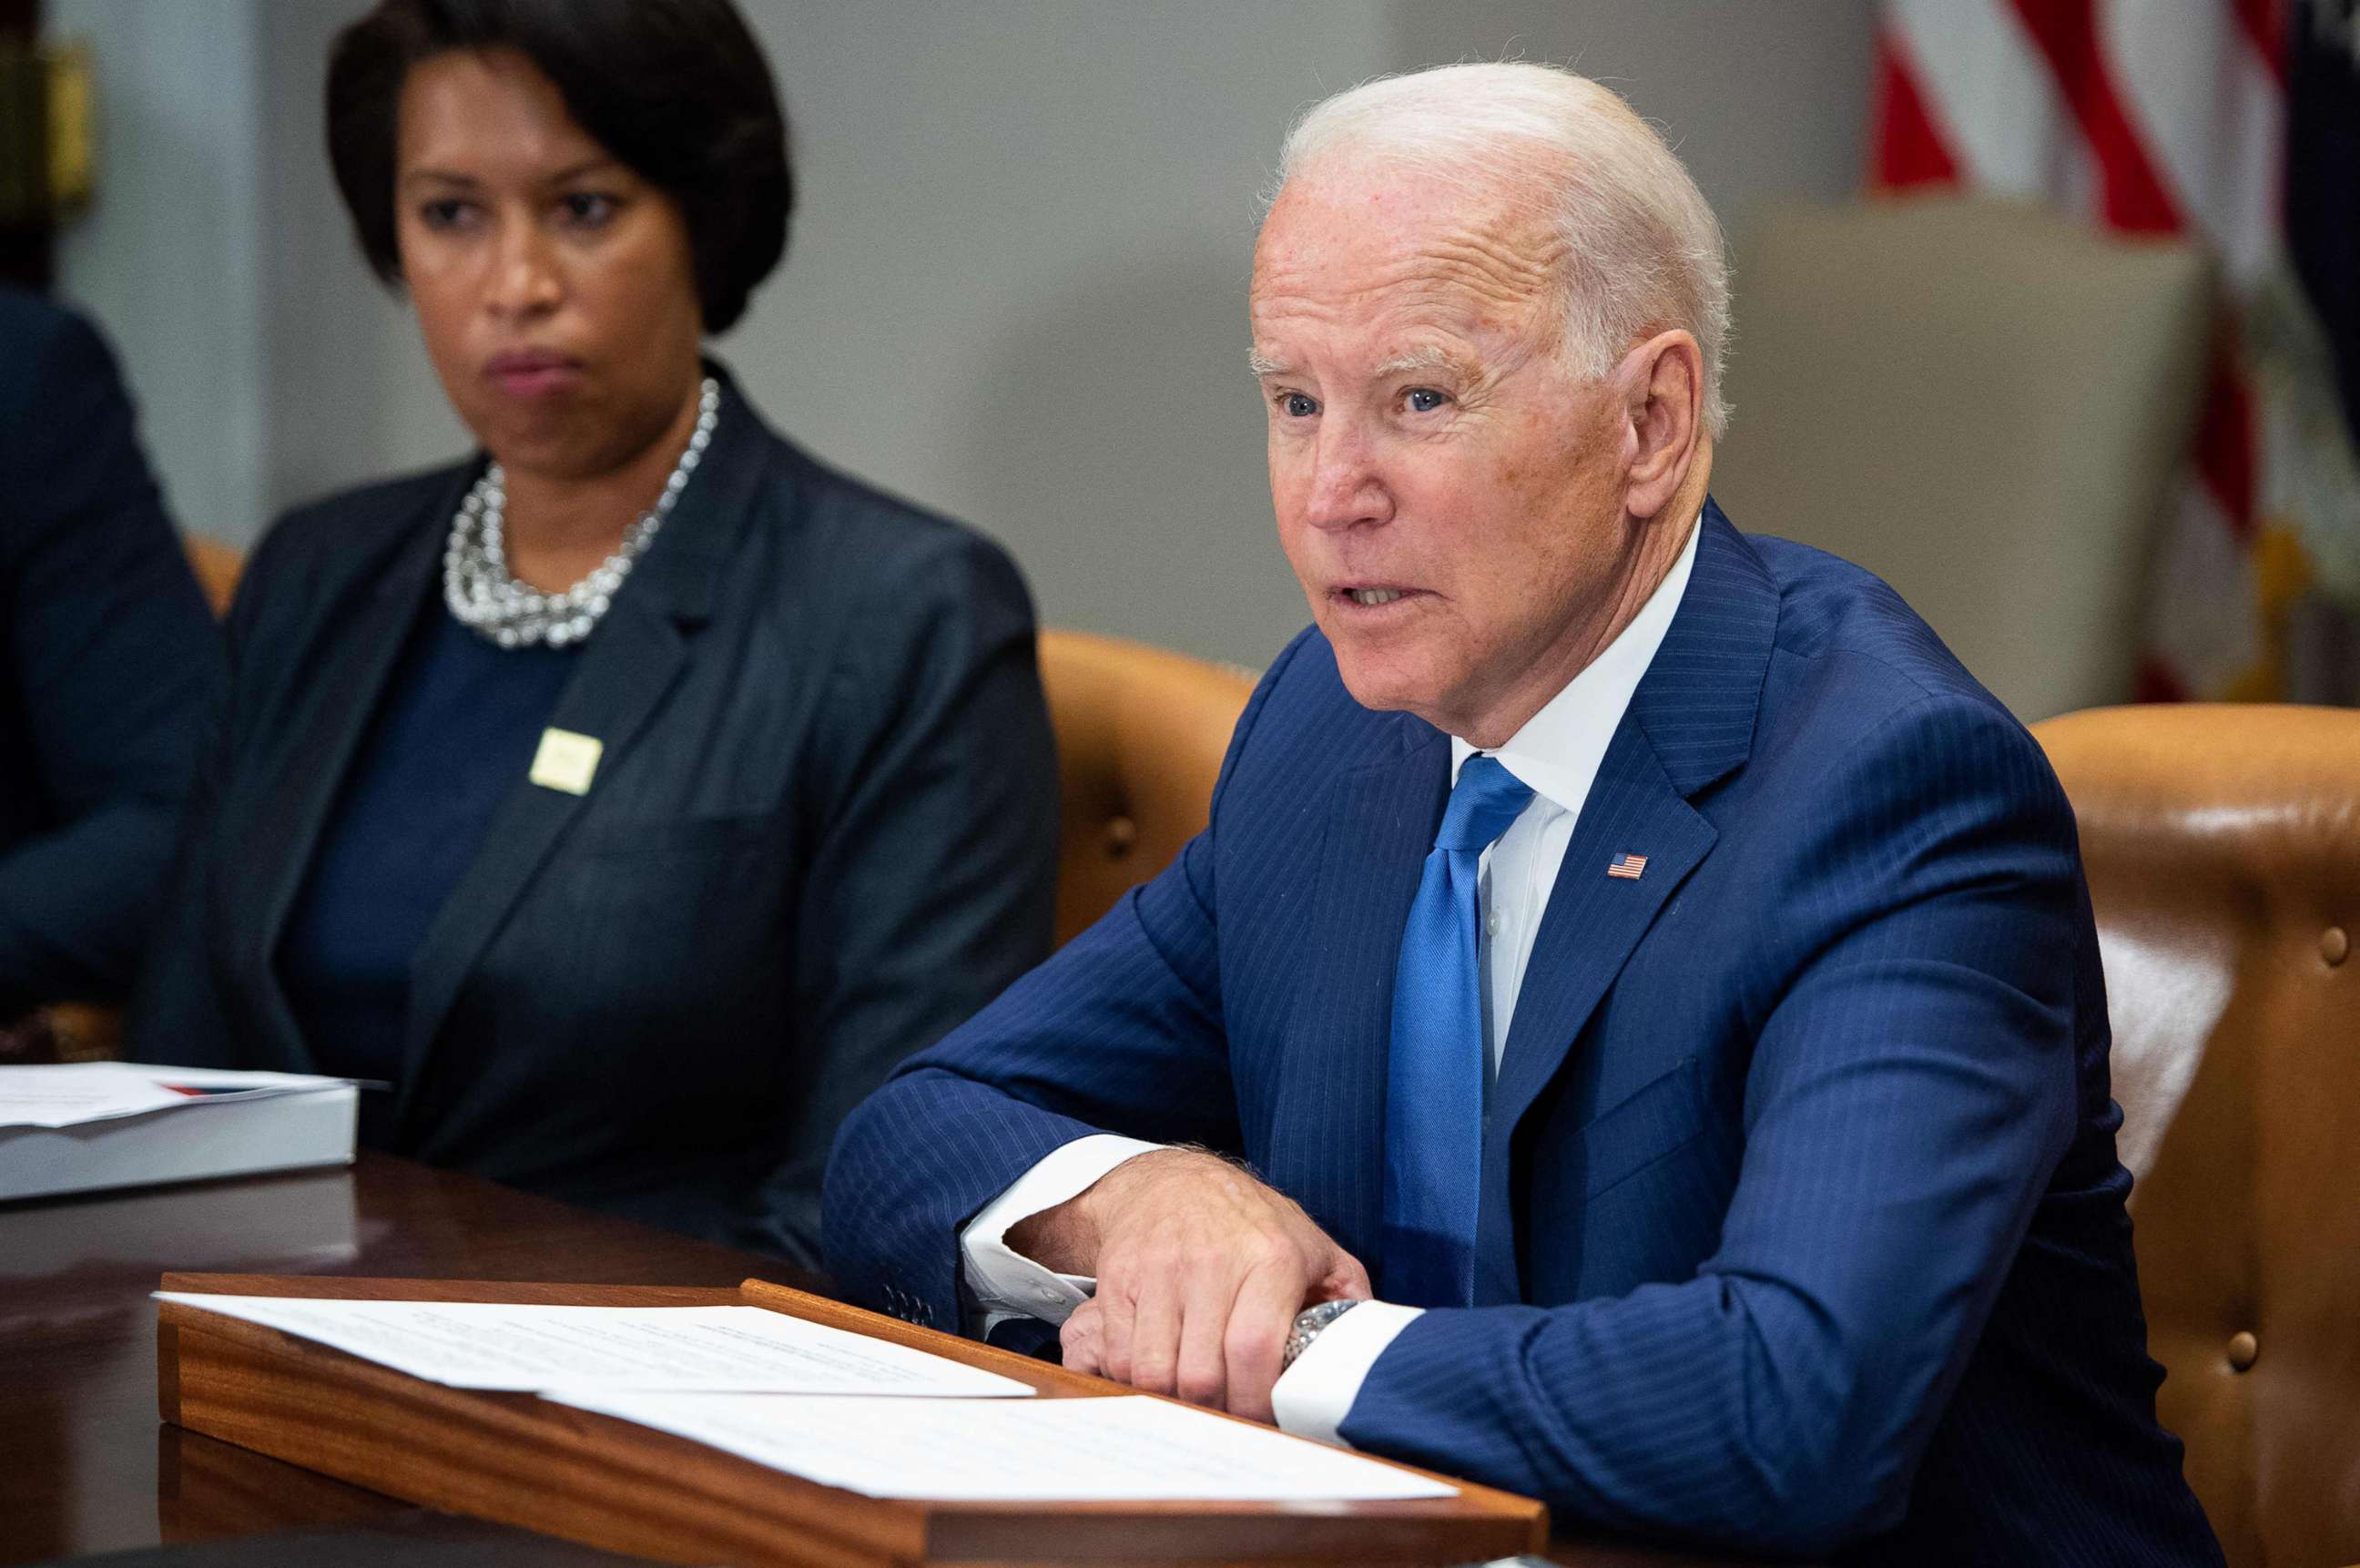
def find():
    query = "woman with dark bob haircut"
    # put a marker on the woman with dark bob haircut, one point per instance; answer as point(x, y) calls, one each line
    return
point(632, 797)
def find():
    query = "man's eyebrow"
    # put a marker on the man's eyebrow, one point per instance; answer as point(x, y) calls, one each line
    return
point(1261, 364)
point(1427, 358)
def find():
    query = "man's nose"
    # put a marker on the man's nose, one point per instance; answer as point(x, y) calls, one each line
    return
point(526, 279)
point(1346, 487)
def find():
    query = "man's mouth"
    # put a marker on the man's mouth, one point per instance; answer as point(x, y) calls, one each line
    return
point(1372, 595)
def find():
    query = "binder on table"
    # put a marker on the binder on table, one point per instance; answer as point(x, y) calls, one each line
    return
point(521, 1459)
point(234, 1123)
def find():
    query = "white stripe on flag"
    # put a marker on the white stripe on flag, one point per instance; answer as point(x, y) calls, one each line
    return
point(1993, 97)
point(2209, 114)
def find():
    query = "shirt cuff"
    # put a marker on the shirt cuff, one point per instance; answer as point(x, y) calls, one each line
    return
point(1312, 1397)
point(1002, 1283)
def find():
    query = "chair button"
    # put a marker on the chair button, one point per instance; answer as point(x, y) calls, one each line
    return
point(2242, 1348)
point(2334, 945)
point(1121, 833)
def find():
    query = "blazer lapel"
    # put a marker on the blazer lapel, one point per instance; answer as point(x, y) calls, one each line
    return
point(338, 703)
point(1689, 724)
point(1592, 922)
point(1381, 823)
point(625, 669)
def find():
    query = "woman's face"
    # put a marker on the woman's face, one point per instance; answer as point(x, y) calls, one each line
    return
point(553, 285)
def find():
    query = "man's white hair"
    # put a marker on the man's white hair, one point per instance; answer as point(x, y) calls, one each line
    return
point(1642, 253)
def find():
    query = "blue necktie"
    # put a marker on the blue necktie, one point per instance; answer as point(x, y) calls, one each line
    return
point(1436, 1076)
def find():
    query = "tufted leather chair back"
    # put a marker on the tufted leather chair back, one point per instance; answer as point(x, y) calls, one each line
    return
point(2224, 853)
point(1140, 734)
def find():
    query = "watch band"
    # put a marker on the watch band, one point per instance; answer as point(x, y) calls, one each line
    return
point(1307, 1324)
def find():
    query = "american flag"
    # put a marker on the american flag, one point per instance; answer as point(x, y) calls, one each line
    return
point(2232, 121)
point(1627, 867)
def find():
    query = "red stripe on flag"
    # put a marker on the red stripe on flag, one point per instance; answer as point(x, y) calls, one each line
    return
point(1906, 149)
point(2067, 33)
point(2265, 22)
point(2225, 443)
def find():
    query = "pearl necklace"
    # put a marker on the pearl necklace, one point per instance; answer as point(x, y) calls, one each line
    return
point(486, 596)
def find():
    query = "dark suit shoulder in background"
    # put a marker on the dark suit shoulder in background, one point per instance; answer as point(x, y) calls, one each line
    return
point(109, 668)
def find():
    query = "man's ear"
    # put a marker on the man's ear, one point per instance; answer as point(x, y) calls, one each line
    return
point(1663, 414)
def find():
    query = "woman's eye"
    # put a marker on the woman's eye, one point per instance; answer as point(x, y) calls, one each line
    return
point(1424, 399)
point(587, 209)
point(1294, 405)
point(445, 213)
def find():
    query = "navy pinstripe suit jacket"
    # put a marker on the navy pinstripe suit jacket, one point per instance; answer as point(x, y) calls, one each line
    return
point(1802, 1226)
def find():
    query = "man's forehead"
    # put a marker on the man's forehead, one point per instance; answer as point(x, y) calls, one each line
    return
point(1361, 240)
point(1434, 310)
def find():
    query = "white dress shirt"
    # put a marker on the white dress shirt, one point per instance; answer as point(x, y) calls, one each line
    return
point(1558, 753)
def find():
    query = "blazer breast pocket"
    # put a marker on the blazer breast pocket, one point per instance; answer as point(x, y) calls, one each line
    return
point(625, 837)
point(1659, 1119)
point(701, 901)
point(638, 936)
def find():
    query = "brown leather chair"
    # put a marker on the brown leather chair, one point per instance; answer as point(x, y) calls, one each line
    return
point(2224, 853)
point(1140, 733)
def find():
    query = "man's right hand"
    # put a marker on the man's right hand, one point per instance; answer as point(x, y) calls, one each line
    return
point(1201, 1270)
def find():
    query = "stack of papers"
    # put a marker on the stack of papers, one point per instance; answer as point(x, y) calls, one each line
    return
point(74, 1093)
point(534, 1350)
point(831, 1406)
point(86, 1125)
point(1121, 1448)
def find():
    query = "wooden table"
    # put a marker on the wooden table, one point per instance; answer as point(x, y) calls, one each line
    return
point(86, 1467)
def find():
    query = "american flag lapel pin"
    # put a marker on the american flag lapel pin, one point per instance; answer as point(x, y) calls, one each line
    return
point(1627, 867)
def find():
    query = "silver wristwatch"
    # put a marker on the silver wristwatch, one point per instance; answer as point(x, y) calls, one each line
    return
point(1307, 1324)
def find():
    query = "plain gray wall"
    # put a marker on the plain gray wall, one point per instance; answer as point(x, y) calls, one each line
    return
point(167, 255)
point(1016, 289)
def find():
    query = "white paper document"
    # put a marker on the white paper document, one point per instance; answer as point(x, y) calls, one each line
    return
point(1121, 1448)
point(530, 1349)
point(70, 1094)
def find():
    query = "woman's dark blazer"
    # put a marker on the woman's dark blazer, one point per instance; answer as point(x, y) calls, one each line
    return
point(822, 831)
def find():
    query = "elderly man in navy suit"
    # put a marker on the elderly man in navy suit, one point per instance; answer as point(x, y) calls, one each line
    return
point(1632, 1032)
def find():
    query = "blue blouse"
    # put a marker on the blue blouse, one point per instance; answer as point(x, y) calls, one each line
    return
point(455, 733)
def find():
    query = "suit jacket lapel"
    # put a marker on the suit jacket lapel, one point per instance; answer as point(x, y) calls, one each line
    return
point(1689, 724)
point(1381, 824)
point(1592, 923)
point(624, 670)
point(338, 703)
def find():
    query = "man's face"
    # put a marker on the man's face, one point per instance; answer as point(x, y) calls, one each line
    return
point(1448, 494)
